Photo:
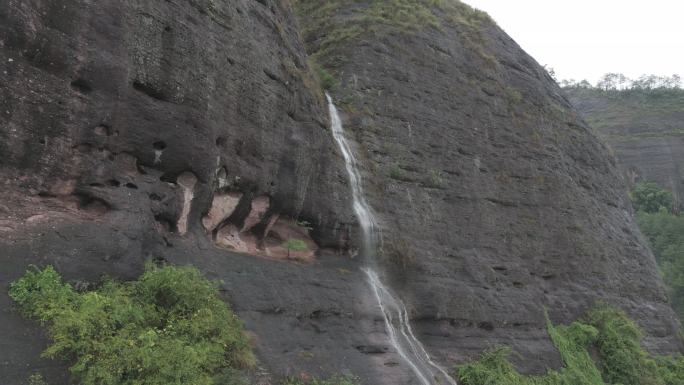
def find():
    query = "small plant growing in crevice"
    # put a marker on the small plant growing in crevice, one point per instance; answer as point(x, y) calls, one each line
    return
point(398, 173)
point(37, 379)
point(296, 245)
point(434, 179)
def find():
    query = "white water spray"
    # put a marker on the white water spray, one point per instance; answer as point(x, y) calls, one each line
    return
point(393, 309)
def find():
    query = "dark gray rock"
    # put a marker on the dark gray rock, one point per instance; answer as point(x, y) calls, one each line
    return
point(495, 199)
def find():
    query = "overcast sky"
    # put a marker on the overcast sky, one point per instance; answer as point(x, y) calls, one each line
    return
point(583, 39)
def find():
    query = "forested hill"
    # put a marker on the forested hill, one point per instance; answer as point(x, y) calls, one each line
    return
point(642, 122)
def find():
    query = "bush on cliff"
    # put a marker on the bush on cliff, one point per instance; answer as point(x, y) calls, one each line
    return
point(622, 360)
point(168, 328)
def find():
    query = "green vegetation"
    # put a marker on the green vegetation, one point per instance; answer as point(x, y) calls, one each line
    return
point(373, 17)
point(609, 331)
point(651, 198)
point(396, 172)
point(658, 220)
point(295, 245)
point(168, 328)
point(434, 180)
point(636, 105)
point(665, 232)
point(326, 80)
point(36, 379)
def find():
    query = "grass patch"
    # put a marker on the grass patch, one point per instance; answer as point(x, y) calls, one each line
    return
point(168, 328)
point(617, 339)
point(340, 21)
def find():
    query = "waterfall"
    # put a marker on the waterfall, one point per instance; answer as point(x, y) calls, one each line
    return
point(396, 318)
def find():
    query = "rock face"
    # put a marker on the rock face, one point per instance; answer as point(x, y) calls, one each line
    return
point(644, 130)
point(122, 121)
point(495, 198)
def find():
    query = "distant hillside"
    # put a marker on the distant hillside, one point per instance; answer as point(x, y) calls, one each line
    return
point(644, 128)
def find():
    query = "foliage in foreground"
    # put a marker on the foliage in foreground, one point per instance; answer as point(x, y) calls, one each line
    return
point(617, 339)
point(168, 328)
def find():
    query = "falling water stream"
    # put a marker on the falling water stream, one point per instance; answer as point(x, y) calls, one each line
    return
point(393, 309)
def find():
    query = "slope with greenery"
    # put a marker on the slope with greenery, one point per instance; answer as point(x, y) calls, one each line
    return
point(169, 327)
point(610, 332)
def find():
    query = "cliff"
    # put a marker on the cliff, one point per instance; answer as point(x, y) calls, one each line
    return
point(644, 130)
point(193, 132)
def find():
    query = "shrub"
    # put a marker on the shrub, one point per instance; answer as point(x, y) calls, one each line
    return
point(651, 198)
point(622, 359)
point(167, 328)
point(398, 173)
point(327, 80)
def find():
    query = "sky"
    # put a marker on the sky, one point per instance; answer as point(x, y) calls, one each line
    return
point(584, 39)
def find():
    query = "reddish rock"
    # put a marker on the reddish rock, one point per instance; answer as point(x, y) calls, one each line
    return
point(222, 207)
point(260, 206)
point(186, 181)
point(230, 237)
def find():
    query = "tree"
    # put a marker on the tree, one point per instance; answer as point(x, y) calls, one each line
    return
point(551, 72)
point(651, 198)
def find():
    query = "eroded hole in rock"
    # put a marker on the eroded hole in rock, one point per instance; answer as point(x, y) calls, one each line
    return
point(92, 204)
point(488, 326)
point(168, 178)
point(81, 85)
point(221, 141)
point(159, 145)
point(372, 349)
point(102, 130)
point(84, 147)
point(114, 183)
point(149, 90)
point(131, 186)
